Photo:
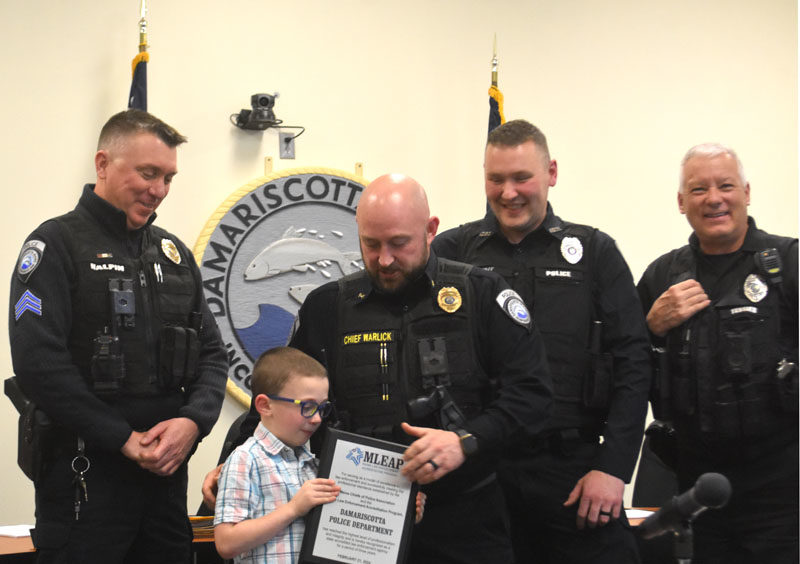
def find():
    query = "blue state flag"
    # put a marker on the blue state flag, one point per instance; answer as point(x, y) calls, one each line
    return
point(496, 117)
point(137, 100)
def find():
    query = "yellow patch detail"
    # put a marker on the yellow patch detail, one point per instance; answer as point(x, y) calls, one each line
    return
point(370, 337)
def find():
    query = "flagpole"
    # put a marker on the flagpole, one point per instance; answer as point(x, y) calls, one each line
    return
point(494, 62)
point(143, 26)
point(138, 95)
point(496, 116)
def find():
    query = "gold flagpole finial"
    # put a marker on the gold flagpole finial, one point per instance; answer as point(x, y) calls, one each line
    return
point(494, 61)
point(142, 26)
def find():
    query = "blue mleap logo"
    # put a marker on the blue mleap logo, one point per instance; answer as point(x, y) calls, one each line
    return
point(355, 455)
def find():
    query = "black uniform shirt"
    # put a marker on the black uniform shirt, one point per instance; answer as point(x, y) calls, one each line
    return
point(505, 350)
point(713, 270)
point(615, 304)
point(42, 359)
point(716, 274)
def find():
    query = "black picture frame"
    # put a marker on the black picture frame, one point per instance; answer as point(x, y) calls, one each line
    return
point(326, 458)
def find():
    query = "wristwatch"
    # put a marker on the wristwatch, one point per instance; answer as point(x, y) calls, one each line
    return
point(469, 444)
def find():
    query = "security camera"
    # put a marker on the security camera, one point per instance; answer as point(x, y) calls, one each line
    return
point(261, 116)
point(266, 101)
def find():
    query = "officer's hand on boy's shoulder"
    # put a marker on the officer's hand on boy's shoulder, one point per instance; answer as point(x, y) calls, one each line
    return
point(210, 484)
point(435, 453)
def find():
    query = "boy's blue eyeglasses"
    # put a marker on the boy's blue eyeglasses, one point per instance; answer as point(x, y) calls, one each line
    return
point(308, 408)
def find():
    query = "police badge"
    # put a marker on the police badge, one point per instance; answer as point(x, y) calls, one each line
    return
point(170, 250)
point(571, 249)
point(449, 299)
point(755, 288)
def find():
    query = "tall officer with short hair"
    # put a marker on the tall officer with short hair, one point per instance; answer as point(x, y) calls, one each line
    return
point(722, 311)
point(564, 487)
point(113, 341)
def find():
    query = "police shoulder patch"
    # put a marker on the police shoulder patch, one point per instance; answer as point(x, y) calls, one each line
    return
point(29, 258)
point(510, 302)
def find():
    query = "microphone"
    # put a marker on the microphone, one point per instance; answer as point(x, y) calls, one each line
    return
point(710, 491)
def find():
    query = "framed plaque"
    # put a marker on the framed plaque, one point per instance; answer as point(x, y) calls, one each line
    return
point(371, 520)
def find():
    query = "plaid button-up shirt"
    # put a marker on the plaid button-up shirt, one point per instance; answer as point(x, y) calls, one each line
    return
point(259, 476)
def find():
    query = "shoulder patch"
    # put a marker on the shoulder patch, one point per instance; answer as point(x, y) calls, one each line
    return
point(29, 258)
point(510, 302)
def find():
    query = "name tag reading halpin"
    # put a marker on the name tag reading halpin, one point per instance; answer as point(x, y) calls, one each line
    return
point(371, 520)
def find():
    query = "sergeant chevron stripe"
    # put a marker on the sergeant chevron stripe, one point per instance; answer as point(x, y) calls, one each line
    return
point(28, 302)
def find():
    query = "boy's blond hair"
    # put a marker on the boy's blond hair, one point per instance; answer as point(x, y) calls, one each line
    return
point(274, 368)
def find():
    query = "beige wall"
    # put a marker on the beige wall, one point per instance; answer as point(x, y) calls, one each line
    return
point(622, 88)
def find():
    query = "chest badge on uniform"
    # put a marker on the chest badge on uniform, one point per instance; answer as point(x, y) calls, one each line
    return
point(755, 288)
point(29, 258)
point(571, 249)
point(170, 250)
point(449, 299)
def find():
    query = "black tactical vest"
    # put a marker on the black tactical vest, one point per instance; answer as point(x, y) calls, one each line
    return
point(722, 362)
point(159, 344)
point(560, 297)
point(385, 360)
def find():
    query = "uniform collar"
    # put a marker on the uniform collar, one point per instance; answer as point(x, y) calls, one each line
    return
point(552, 225)
point(752, 239)
point(110, 217)
point(365, 289)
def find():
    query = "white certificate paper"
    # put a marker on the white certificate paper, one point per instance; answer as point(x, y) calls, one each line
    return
point(371, 520)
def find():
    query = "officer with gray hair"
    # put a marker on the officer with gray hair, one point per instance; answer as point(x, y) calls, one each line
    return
point(722, 313)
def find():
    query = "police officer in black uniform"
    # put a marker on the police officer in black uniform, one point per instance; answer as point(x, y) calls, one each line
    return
point(113, 342)
point(564, 488)
point(415, 327)
point(722, 312)
point(437, 344)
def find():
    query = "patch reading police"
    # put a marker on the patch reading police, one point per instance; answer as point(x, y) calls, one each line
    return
point(29, 258)
point(571, 249)
point(27, 302)
point(170, 250)
point(267, 246)
point(514, 307)
point(449, 299)
point(755, 288)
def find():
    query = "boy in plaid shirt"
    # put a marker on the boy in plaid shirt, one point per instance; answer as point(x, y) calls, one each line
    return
point(269, 483)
